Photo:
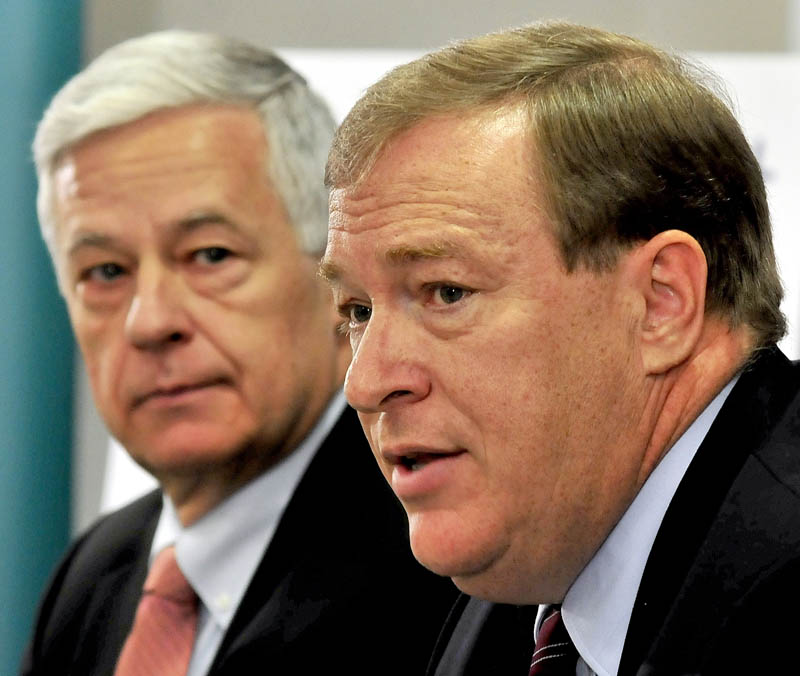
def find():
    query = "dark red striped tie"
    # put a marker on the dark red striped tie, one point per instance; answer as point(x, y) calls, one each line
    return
point(555, 654)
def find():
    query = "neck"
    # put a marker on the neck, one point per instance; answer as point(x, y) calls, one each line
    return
point(195, 493)
point(196, 490)
point(678, 396)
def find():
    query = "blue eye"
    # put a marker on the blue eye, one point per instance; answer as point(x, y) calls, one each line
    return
point(451, 294)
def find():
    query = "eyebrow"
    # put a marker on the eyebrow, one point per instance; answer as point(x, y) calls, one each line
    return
point(90, 239)
point(397, 256)
point(330, 272)
point(190, 223)
point(198, 219)
point(411, 254)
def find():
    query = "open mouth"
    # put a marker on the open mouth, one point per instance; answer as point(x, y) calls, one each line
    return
point(417, 462)
point(414, 462)
point(418, 473)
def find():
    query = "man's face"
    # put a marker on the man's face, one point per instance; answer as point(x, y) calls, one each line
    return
point(208, 338)
point(495, 388)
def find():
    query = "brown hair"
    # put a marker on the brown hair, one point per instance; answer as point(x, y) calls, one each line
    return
point(629, 141)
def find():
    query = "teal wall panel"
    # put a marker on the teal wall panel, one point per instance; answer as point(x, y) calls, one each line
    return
point(39, 49)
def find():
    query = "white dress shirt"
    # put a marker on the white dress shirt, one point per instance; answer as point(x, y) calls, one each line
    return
point(598, 605)
point(219, 553)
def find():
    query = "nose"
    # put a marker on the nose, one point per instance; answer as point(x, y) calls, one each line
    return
point(388, 367)
point(156, 316)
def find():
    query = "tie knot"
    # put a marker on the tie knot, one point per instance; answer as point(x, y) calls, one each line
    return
point(166, 580)
point(162, 637)
point(555, 653)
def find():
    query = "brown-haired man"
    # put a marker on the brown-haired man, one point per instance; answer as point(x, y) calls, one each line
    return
point(552, 250)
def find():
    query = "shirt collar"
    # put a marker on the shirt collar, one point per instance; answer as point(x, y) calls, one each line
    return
point(598, 605)
point(220, 552)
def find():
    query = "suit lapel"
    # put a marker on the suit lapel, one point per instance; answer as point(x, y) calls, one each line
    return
point(109, 619)
point(115, 595)
point(692, 537)
point(301, 567)
point(459, 635)
point(481, 638)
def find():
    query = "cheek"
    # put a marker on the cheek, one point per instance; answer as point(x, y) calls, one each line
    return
point(92, 337)
point(520, 398)
point(105, 367)
point(503, 384)
point(369, 423)
point(280, 313)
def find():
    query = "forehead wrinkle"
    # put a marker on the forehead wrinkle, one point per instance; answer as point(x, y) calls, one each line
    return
point(88, 176)
point(373, 206)
point(199, 218)
point(196, 220)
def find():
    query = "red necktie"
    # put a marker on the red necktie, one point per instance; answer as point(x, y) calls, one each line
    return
point(162, 636)
point(555, 654)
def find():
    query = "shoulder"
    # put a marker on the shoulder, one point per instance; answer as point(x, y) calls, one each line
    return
point(116, 542)
point(747, 566)
point(755, 635)
point(117, 538)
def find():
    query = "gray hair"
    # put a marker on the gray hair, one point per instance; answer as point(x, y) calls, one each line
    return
point(177, 68)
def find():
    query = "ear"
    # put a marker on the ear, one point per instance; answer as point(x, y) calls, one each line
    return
point(671, 274)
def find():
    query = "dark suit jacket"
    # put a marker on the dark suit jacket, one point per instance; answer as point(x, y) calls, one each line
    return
point(481, 638)
point(337, 590)
point(726, 560)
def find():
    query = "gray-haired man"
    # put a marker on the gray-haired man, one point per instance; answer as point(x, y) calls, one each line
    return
point(181, 198)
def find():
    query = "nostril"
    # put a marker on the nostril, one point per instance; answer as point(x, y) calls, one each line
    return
point(395, 395)
point(175, 337)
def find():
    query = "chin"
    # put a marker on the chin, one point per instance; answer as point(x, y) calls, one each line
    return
point(185, 452)
point(492, 584)
point(481, 561)
point(442, 544)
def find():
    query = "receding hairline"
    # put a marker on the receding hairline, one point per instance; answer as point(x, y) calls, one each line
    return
point(164, 114)
point(460, 78)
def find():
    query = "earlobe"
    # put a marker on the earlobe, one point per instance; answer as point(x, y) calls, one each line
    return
point(673, 276)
